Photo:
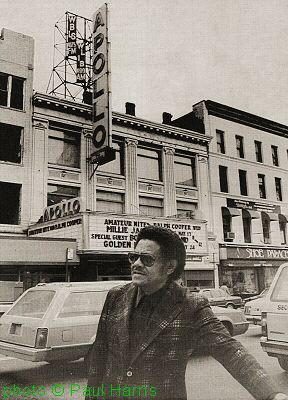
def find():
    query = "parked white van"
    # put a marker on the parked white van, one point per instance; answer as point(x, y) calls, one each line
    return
point(274, 316)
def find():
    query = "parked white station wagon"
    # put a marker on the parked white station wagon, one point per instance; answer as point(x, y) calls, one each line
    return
point(54, 321)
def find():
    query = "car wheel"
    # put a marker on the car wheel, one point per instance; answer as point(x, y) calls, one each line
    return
point(228, 326)
point(230, 305)
point(283, 362)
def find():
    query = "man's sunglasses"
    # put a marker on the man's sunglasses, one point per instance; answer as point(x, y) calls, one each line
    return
point(146, 259)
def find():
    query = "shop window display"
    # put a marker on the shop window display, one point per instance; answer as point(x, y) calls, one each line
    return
point(241, 280)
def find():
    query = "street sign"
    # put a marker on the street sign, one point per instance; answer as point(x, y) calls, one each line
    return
point(103, 156)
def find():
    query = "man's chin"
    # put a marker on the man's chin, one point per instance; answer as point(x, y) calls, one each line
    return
point(138, 279)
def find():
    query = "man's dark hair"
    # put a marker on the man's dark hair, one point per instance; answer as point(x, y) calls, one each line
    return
point(171, 245)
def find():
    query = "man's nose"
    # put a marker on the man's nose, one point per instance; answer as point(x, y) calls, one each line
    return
point(138, 262)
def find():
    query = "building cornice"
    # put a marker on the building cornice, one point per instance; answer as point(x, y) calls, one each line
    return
point(67, 106)
point(162, 129)
point(56, 103)
point(245, 118)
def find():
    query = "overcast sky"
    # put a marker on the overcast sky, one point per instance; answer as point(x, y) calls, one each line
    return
point(170, 54)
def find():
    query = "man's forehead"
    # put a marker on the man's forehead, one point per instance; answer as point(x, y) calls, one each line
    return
point(147, 245)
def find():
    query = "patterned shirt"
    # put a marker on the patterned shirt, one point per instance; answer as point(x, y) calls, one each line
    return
point(144, 306)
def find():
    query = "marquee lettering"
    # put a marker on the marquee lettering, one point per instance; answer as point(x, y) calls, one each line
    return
point(67, 207)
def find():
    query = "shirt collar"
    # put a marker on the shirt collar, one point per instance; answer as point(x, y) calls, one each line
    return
point(153, 296)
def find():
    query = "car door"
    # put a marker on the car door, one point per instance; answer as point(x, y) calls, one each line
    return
point(207, 293)
point(217, 298)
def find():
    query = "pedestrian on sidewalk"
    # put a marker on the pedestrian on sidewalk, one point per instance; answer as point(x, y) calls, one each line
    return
point(149, 328)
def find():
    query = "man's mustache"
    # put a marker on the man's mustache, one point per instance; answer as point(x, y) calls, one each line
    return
point(139, 270)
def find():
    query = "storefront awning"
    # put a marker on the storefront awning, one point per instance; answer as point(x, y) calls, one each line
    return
point(285, 216)
point(37, 251)
point(273, 216)
point(234, 212)
point(253, 214)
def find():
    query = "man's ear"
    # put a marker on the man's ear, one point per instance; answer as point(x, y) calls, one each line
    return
point(172, 265)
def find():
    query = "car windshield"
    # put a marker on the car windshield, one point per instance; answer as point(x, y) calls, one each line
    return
point(33, 304)
point(280, 289)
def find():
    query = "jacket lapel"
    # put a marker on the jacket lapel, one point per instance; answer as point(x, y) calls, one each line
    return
point(167, 310)
point(125, 304)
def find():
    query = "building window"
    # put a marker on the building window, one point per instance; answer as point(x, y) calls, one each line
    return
point(243, 182)
point(261, 183)
point(186, 208)
point(278, 189)
point(185, 170)
point(64, 148)
point(241, 279)
point(10, 143)
point(57, 193)
point(148, 164)
point(116, 166)
point(266, 227)
point(239, 146)
point(11, 91)
point(10, 203)
point(258, 151)
point(223, 177)
point(109, 201)
point(246, 218)
point(226, 223)
point(283, 229)
point(275, 159)
point(220, 141)
point(151, 206)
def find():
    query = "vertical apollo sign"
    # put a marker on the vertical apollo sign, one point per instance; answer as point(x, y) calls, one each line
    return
point(102, 114)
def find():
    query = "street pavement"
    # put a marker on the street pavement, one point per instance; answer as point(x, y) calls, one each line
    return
point(206, 379)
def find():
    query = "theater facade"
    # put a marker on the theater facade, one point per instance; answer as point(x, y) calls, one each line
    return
point(159, 177)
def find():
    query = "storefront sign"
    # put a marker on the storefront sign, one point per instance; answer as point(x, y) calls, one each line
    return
point(55, 226)
point(120, 233)
point(67, 207)
point(252, 205)
point(257, 253)
point(102, 113)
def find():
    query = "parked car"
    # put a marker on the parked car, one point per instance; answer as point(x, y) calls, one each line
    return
point(54, 321)
point(57, 322)
point(256, 296)
point(274, 316)
point(233, 320)
point(253, 308)
point(219, 297)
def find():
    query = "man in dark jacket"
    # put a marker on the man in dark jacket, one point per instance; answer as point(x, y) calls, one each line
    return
point(149, 328)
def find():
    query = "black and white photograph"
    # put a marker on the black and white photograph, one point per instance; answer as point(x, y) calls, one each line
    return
point(144, 199)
